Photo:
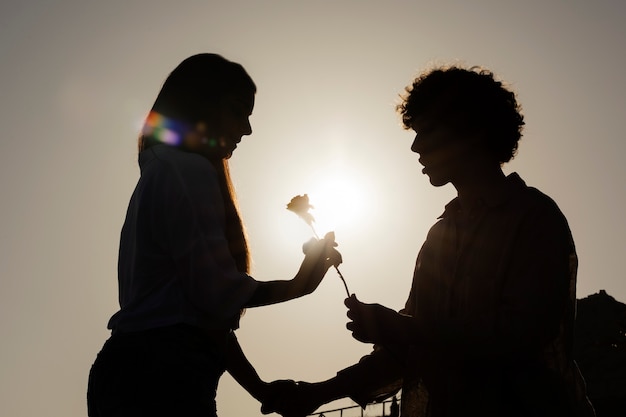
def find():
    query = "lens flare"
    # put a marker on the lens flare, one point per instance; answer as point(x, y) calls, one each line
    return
point(163, 129)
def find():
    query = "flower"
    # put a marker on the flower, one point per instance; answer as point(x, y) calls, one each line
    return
point(300, 205)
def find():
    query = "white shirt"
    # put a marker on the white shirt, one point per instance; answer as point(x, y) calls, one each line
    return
point(174, 263)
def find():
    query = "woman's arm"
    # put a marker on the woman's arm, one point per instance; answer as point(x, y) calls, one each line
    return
point(242, 370)
point(189, 217)
point(319, 256)
point(244, 373)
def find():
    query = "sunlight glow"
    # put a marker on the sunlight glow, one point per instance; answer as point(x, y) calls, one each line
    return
point(339, 202)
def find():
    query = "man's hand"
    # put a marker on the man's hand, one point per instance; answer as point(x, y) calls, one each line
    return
point(277, 394)
point(374, 323)
point(291, 399)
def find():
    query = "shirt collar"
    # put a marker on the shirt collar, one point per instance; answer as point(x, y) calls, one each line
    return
point(513, 182)
point(154, 152)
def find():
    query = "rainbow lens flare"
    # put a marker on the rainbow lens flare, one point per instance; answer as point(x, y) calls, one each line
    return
point(163, 129)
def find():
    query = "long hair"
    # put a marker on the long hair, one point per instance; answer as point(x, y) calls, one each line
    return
point(235, 230)
point(188, 93)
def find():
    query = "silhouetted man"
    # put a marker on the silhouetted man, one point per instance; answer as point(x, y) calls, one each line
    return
point(488, 325)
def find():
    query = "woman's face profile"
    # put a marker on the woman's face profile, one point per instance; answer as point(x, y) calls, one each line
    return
point(226, 125)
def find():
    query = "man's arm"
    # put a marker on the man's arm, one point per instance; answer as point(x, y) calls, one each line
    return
point(375, 376)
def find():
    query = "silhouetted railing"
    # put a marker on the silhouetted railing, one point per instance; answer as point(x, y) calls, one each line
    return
point(388, 408)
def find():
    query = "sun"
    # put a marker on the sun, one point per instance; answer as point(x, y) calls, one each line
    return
point(339, 203)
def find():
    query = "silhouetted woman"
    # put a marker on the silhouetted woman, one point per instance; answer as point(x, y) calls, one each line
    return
point(183, 258)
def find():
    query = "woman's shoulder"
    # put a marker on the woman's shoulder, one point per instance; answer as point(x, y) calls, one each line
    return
point(186, 163)
point(179, 156)
point(172, 167)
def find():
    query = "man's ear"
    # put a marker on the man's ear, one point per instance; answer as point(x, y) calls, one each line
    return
point(478, 138)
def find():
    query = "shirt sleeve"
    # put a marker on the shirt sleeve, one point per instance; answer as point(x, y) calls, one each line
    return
point(375, 377)
point(535, 292)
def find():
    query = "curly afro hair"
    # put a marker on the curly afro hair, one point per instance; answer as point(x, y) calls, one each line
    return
point(469, 100)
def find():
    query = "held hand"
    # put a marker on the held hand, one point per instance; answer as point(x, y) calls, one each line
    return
point(296, 403)
point(373, 323)
point(277, 395)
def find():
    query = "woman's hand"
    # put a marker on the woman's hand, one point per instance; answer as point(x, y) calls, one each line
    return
point(319, 256)
point(293, 399)
point(277, 395)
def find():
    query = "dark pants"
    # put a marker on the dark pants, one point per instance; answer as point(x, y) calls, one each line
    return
point(169, 371)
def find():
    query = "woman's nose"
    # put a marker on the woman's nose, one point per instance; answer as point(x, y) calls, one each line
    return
point(247, 128)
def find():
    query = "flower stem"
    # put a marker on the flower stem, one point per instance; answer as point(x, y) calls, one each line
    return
point(336, 267)
point(313, 229)
point(343, 280)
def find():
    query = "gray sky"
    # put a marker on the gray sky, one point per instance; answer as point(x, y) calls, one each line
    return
point(78, 77)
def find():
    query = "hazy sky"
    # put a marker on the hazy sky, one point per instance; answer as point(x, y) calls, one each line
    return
point(77, 78)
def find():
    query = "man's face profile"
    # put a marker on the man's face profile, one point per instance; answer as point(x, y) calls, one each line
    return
point(444, 152)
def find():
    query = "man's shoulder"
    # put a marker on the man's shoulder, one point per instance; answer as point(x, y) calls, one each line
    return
point(530, 195)
point(539, 208)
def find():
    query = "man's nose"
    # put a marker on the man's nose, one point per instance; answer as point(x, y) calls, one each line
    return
point(415, 146)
